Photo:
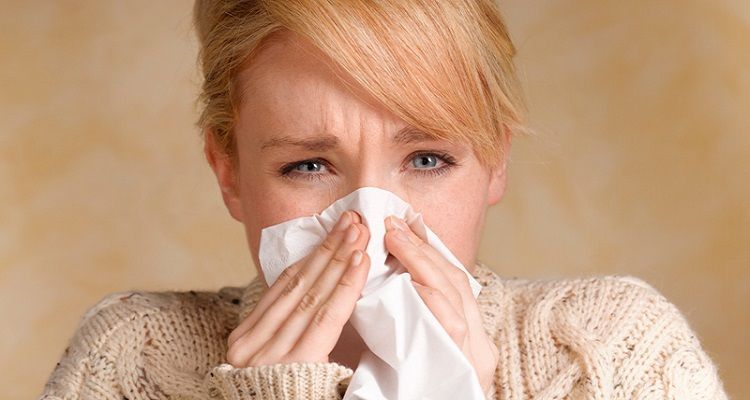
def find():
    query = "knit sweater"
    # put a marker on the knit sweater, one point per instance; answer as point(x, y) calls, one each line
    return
point(606, 337)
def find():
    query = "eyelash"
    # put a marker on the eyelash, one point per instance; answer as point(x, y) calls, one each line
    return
point(288, 170)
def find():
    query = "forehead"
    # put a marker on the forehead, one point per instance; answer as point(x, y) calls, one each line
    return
point(289, 80)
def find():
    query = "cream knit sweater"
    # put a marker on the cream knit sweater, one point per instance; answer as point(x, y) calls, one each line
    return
point(610, 337)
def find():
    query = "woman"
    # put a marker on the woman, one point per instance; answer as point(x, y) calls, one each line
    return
point(306, 101)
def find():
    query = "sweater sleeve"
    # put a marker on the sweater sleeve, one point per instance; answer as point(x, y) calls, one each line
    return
point(318, 381)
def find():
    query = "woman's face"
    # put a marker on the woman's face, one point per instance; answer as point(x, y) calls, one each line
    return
point(304, 140)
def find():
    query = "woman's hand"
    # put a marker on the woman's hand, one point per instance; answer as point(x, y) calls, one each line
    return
point(300, 317)
point(446, 291)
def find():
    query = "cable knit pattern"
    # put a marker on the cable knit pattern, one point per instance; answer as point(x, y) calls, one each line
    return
point(608, 337)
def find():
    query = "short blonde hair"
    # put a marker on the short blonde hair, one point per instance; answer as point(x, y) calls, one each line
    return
point(443, 66)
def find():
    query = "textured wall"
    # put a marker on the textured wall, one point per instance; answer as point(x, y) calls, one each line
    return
point(639, 166)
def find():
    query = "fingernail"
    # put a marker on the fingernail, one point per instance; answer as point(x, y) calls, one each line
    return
point(352, 234)
point(391, 223)
point(344, 221)
point(401, 235)
point(400, 223)
point(357, 257)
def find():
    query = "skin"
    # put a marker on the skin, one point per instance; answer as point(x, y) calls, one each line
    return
point(291, 90)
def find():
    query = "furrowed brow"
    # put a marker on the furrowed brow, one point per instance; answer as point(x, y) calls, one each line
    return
point(315, 143)
point(409, 134)
point(321, 143)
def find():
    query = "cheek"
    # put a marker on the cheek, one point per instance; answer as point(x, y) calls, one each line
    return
point(456, 218)
point(267, 203)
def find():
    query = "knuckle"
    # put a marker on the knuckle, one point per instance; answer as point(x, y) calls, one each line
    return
point(286, 275)
point(456, 299)
point(346, 283)
point(233, 357)
point(325, 316)
point(430, 291)
point(364, 232)
point(458, 328)
point(294, 283)
point(233, 337)
point(421, 244)
point(460, 280)
point(456, 275)
point(339, 257)
point(233, 344)
point(328, 245)
point(308, 302)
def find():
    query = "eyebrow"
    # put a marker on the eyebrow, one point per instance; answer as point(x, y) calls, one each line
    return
point(327, 142)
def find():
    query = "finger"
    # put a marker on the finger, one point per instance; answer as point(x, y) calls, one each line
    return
point(345, 220)
point(288, 274)
point(328, 322)
point(265, 319)
point(290, 332)
point(452, 322)
point(268, 297)
point(458, 279)
point(454, 274)
point(477, 346)
point(410, 251)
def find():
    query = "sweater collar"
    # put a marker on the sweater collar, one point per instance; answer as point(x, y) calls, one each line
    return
point(486, 277)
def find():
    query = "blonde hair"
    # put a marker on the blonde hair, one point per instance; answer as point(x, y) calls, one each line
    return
point(443, 66)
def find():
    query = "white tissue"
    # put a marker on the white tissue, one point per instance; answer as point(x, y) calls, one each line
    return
point(409, 354)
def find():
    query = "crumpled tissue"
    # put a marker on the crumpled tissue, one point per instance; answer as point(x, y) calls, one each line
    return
point(409, 354)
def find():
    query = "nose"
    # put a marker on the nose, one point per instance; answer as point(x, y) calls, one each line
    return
point(374, 177)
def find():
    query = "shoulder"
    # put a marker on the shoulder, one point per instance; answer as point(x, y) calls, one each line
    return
point(125, 309)
point(151, 334)
point(596, 299)
point(626, 335)
point(224, 300)
point(617, 310)
point(599, 300)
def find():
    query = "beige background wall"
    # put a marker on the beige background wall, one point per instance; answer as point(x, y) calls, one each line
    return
point(640, 165)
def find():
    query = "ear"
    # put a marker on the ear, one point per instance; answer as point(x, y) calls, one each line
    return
point(226, 175)
point(498, 177)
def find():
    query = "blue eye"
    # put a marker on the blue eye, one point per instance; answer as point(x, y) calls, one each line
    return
point(424, 160)
point(430, 160)
point(309, 166)
point(312, 169)
point(423, 164)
